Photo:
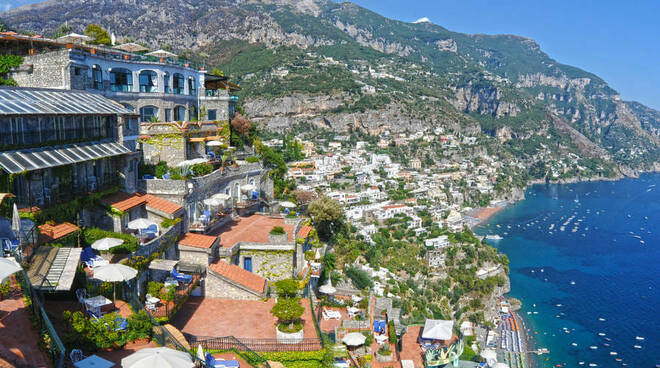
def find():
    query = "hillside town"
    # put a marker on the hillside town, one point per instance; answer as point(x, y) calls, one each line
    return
point(146, 218)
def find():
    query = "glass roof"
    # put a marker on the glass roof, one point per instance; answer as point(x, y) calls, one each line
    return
point(20, 101)
point(15, 162)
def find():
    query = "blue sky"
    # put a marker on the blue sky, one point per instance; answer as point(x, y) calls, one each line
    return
point(617, 40)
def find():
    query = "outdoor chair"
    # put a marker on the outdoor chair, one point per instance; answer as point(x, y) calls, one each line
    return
point(10, 246)
point(331, 314)
point(81, 294)
point(211, 362)
point(181, 277)
point(76, 355)
point(150, 302)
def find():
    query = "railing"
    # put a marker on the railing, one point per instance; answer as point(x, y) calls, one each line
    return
point(230, 343)
point(47, 333)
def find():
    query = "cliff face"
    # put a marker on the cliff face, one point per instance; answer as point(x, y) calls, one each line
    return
point(346, 67)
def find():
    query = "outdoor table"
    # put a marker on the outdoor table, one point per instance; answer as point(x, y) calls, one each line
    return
point(97, 303)
point(94, 361)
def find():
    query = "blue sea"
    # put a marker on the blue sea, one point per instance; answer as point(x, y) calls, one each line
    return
point(585, 261)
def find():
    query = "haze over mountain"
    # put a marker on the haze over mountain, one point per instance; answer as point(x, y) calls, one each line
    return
point(340, 66)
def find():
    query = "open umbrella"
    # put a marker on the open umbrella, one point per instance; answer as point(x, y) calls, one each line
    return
point(328, 288)
point(248, 188)
point(75, 38)
point(437, 329)
point(8, 266)
point(106, 243)
point(287, 204)
point(141, 223)
point(221, 196)
point(214, 143)
point(354, 339)
point(114, 272)
point(131, 47)
point(162, 54)
point(213, 202)
point(158, 357)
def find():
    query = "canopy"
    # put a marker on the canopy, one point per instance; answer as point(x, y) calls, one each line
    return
point(192, 162)
point(74, 37)
point(8, 266)
point(287, 204)
point(221, 196)
point(354, 339)
point(437, 329)
point(106, 243)
point(114, 272)
point(213, 202)
point(328, 288)
point(162, 54)
point(131, 47)
point(158, 357)
point(141, 223)
point(248, 188)
point(214, 143)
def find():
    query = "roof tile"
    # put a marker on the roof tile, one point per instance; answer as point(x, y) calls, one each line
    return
point(53, 232)
point(197, 240)
point(240, 276)
point(161, 204)
point(124, 201)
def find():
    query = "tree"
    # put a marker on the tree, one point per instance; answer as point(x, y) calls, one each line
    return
point(7, 62)
point(99, 35)
point(287, 288)
point(287, 311)
point(327, 215)
point(217, 72)
point(240, 124)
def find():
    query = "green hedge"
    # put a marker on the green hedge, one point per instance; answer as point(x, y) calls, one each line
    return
point(299, 359)
point(130, 242)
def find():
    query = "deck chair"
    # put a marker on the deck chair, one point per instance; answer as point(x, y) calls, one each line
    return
point(211, 362)
point(180, 277)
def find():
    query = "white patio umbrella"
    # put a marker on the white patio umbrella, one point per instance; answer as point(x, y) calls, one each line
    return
point(141, 223)
point(287, 204)
point(106, 243)
point(131, 47)
point(437, 329)
point(114, 272)
point(158, 357)
point(213, 202)
point(248, 188)
point(214, 143)
point(221, 196)
point(328, 288)
point(200, 352)
point(8, 266)
point(354, 339)
point(162, 54)
point(74, 37)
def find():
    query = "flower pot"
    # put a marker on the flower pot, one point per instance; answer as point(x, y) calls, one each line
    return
point(289, 338)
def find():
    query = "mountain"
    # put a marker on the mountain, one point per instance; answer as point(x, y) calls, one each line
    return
point(340, 66)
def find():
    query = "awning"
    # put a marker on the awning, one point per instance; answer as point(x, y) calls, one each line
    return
point(15, 162)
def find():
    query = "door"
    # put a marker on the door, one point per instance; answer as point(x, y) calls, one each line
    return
point(247, 264)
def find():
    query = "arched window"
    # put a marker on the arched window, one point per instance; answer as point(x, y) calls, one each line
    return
point(179, 113)
point(192, 115)
point(148, 113)
point(148, 81)
point(192, 86)
point(121, 80)
point(178, 83)
point(97, 77)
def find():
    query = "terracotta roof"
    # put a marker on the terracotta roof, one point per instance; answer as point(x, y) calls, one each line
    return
point(54, 232)
point(304, 232)
point(124, 201)
point(252, 229)
point(238, 275)
point(394, 206)
point(161, 204)
point(197, 240)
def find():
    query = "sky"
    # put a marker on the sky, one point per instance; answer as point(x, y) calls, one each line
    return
point(616, 40)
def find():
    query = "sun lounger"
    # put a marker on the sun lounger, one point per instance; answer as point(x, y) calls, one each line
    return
point(331, 314)
point(181, 277)
point(211, 362)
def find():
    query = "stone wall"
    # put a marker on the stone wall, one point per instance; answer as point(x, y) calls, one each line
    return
point(168, 236)
point(218, 103)
point(217, 286)
point(44, 70)
point(271, 264)
point(197, 256)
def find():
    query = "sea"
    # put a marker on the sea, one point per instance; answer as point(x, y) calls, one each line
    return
point(585, 262)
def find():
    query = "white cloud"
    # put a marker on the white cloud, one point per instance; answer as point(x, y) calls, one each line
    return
point(422, 20)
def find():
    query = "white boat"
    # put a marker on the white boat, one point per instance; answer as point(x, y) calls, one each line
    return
point(601, 319)
point(593, 365)
point(637, 346)
point(494, 237)
point(572, 282)
point(613, 353)
point(593, 347)
point(639, 338)
point(574, 344)
point(601, 334)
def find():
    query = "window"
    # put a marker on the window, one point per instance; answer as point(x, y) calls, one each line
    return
point(166, 83)
point(97, 77)
point(148, 81)
point(168, 114)
point(148, 113)
point(76, 71)
point(121, 80)
point(179, 113)
point(192, 115)
point(178, 83)
point(192, 87)
point(247, 263)
point(213, 114)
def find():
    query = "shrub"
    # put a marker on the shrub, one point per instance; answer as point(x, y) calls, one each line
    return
point(287, 288)
point(154, 288)
point(392, 332)
point(252, 159)
point(161, 169)
point(167, 223)
point(385, 350)
point(277, 230)
point(359, 277)
point(201, 169)
point(130, 242)
point(288, 312)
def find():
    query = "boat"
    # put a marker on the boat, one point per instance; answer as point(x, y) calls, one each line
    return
point(493, 237)
point(593, 365)
point(637, 346)
point(593, 347)
point(639, 338)
point(572, 282)
point(574, 344)
point(601, 334)
point(613, 353)
point(601, 319)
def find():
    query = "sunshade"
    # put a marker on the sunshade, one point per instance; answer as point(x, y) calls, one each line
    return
point(141, 223)
point(213, 202)
point(200, 352)
point(8, 266)
point(131, 47)
point(74, 37)
point(354, 339)
point(16, 221)
point(248, 188)
point(214, 143)
point(162, 54)
point(437, 329)
point(106, 243)
point(221, 196)
point(490, 355)
point(287, 204)
point(158, 357)
point(114, 272)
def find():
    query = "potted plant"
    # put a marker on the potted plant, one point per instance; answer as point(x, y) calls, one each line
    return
point(384, 353)
point(288, 312)
point(277, 235)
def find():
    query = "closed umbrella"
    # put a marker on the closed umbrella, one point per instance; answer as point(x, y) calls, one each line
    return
point(8, 266)
point(200, 352)
point(287, 204)
point(106, 243)
point(114, 272)
point(158, 357)
point(354, 339)
point(16, 222)
point(141, 223)
point(161, 54)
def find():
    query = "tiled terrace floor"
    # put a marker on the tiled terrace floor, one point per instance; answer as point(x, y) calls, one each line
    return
point(239, 318)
